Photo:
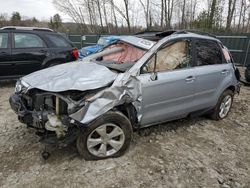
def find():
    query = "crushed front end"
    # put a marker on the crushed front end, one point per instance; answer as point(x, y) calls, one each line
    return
point(48, 112)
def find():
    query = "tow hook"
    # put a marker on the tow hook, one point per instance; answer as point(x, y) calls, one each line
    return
point(45, 155)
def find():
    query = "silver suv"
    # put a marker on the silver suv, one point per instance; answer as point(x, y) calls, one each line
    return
point(131, 84)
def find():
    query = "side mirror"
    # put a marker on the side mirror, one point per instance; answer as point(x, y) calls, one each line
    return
point(153, 76)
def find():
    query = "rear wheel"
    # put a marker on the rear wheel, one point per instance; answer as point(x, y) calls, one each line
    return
point(108, 136)
point(223, 105)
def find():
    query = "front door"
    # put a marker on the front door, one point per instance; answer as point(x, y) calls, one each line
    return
point(5, 54)
point(168, 80)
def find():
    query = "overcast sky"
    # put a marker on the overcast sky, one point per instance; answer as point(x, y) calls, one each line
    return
point(41, 9)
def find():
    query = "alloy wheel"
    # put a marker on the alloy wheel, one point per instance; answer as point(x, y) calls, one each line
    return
point(105, 140)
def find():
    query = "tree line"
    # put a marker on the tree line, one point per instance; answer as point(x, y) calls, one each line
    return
point(16, 19)
point(129, 16)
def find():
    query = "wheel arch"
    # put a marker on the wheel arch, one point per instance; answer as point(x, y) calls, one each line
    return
point(231, 87)
point(49, 60)
point(129, 110)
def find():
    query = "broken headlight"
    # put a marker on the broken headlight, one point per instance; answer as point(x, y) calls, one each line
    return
point(18, 87)
point(21, 87)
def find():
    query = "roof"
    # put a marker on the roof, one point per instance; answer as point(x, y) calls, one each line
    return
point(26, 28)
point(138, 42)
point(158, 35)
point(194, 35)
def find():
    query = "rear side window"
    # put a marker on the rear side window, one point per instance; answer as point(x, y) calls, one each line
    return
point(208, 53)
point(226, 54)
point(27, 40)
point(58, 41)
point(3, 40)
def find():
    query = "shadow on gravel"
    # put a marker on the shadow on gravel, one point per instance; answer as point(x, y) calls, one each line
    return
point(172, 126)
point(59, 155)
point(7, 83)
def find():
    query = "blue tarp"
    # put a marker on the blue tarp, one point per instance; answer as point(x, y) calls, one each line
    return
point(102, 42)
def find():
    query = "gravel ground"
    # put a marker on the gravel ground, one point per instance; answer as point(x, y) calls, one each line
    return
point(186, 153)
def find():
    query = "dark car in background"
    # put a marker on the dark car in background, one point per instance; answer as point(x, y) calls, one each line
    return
point(27, 49)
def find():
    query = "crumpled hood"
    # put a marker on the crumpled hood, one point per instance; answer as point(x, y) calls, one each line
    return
point(71, 76)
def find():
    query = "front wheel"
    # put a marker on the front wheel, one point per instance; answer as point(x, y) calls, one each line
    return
point(108, 136)
point(223, 105)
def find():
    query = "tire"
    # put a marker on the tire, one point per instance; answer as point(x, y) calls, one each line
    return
point(90, 144)
point(247, 74)
point(217, 113)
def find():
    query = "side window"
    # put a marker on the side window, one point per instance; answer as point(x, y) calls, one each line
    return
point(226, 54)
point(27, 40)
point(58, 41)
point(174, 56)
point(3, 40)
point(208, 53)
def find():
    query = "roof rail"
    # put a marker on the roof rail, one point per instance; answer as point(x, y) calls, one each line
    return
point(26, 28)
point(185, 31)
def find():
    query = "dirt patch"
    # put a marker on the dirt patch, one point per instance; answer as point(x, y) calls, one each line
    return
point(186, 153)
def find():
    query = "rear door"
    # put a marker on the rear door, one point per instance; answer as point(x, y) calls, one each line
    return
point(5, 54)
point(212, 72)
point(61, 47)
point(28, 52)
point(170, 94)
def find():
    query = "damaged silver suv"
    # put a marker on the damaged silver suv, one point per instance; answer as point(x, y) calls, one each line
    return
point(131, 84)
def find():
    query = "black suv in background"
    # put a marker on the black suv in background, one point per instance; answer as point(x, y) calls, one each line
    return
point(26, 49)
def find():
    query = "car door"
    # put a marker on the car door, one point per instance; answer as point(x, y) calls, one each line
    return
point(28, 52)
point(212, 71)
point(167, 83)
point(5, 54)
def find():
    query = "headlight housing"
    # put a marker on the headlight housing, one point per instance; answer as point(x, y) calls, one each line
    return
point(18, 87)
point(21, 87)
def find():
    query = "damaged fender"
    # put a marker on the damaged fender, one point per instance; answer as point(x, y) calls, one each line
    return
point(125, 89)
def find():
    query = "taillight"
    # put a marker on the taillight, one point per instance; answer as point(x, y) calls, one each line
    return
point(75, 53)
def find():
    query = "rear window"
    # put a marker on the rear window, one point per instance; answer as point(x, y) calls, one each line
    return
point(58, 41)
point(3, 40)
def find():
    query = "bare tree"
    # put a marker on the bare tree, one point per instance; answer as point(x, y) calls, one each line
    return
point(3, 20)
point(240, 16)
point(114, 14)
point(74, 11)
point(146, 10)
point(183, 13)
point(211, 15)
point(126, 14)
point(169, 6)
point(162, 11)
point(100, 13)
point(105, 15)
point(231, 9)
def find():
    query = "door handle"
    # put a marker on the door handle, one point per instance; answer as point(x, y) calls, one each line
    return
point(190, 79)
point(43, 51)
point(225, 71)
